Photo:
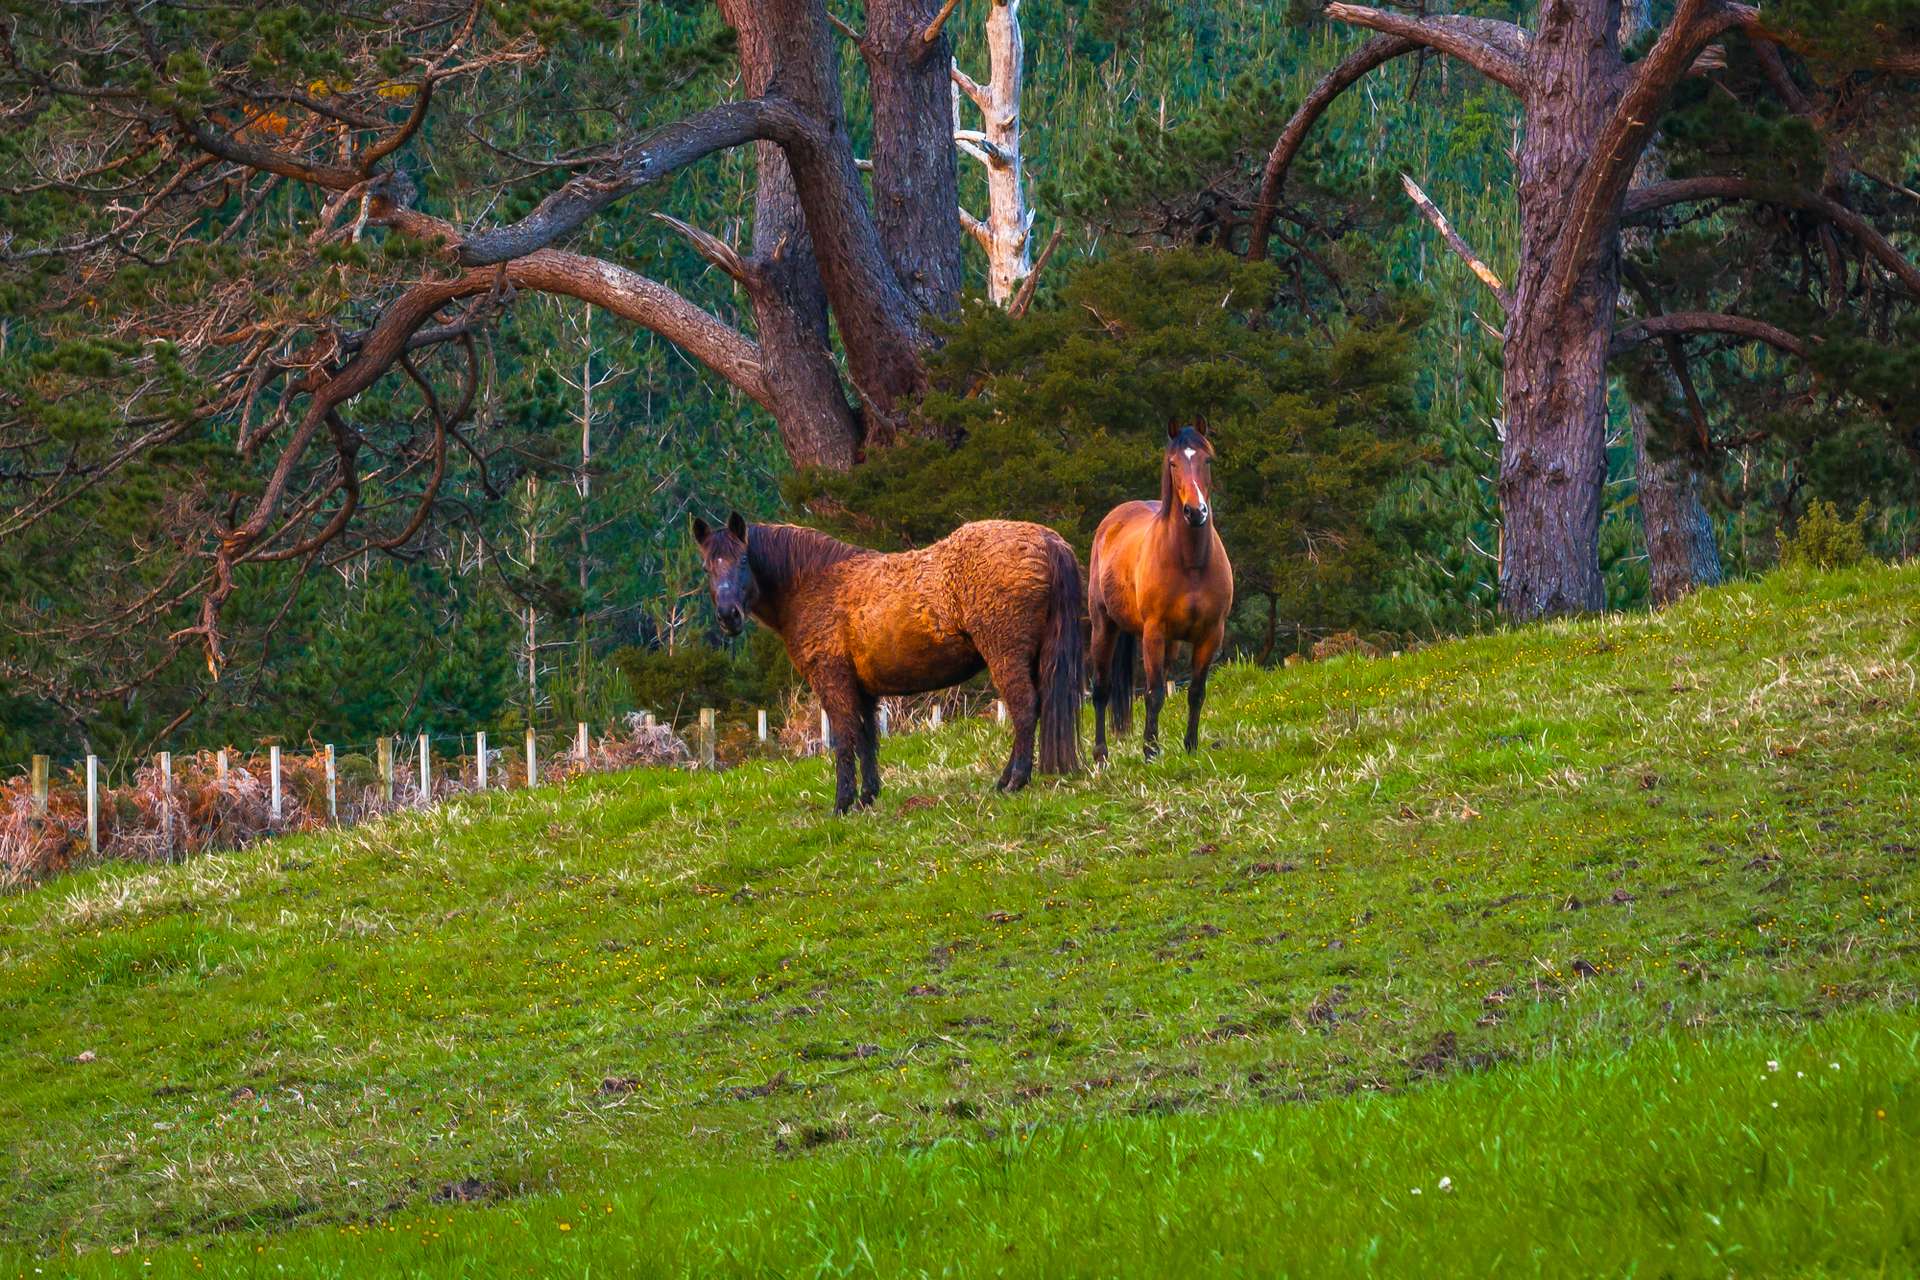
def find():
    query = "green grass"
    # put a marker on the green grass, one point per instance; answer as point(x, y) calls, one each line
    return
point(1048, 1033)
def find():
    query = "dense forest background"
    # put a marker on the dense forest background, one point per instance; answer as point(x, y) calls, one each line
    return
point(1354, 384)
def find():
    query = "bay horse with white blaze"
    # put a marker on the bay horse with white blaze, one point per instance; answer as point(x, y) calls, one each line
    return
point(1159, 575)
point(861, 625)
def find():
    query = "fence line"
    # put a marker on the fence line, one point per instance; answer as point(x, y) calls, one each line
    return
point(163, 811)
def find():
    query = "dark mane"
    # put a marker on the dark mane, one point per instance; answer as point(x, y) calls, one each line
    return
point(780, 553)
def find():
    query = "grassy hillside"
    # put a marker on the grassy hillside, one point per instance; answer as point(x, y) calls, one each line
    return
point(698, 1021)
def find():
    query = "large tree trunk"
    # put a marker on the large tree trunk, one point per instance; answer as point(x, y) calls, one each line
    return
point(879, 324)
point(816, 424)
point(1553, 460)
point(916, 186)
point(1681, 554)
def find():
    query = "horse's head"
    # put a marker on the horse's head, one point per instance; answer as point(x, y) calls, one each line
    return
point(724, 550)
point(1189, 471)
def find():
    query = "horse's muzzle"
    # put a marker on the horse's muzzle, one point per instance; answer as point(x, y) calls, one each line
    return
point(1197, 515)
point(732, 621)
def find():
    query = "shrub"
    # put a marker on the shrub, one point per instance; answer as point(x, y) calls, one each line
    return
point(675, 683)
point(1822, 540)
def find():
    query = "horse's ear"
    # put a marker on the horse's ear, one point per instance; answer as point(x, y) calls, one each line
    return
point(701, 531)
point(1173, 428)
point(737, 526)
point(1200, 425)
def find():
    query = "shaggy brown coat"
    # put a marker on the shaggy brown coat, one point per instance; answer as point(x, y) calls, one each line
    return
point(861, 625)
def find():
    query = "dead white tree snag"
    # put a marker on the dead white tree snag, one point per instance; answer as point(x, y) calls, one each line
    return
point(1007, 231)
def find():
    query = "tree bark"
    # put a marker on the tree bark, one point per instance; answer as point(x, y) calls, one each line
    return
point(809, 406)
point(879, 324)
point(916, 184)
point(1681, 553)
point(1553, 459)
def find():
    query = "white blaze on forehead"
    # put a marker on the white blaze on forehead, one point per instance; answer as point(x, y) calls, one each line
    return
point(1190, 453)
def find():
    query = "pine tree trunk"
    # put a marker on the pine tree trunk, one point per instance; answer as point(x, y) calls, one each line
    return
point(879, 324)
point(817, 426)
point(1681, 554)
point(916, 186)
point(1553, 459)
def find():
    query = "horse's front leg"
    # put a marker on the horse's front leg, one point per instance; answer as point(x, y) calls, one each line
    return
point(869, 748)
point(1154, 650)
point(840, 696)
point(1203, 656)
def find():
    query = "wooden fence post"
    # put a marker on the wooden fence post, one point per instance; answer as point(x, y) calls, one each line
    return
point(426, 770)
point(384, 749)
point(533, 768)
point(166, 803)
point(333, 787)
point(93, 804)
point(826, 731)
point(220, 766)
point(883, 721)
point(40, 769)
point(936, 715)
point(763, 724)
point(480, 757)
point(580, 743)
point(1000, 711)
point(273, 771)
point(709, 732)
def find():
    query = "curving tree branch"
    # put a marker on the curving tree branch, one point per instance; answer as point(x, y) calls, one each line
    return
point(659, 154)
point(1498, 50)
point(1273, 178)
point(1641, 203)
point(1677, 324)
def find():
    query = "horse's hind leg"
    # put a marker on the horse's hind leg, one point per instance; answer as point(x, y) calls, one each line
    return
point(1203, 656)
point(869, 748)
point(1013, 676)
point(1099, 658)
point(1154, 651)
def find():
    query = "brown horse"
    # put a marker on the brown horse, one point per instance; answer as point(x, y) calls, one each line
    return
point(861, 625)
point(1158, 575)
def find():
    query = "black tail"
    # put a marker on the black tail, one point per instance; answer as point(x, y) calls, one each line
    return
point(1063, 663)
point(1125, 657)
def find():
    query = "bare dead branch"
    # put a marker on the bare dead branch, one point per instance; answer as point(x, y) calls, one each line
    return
point(1456, 242)
point(1024, 298)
